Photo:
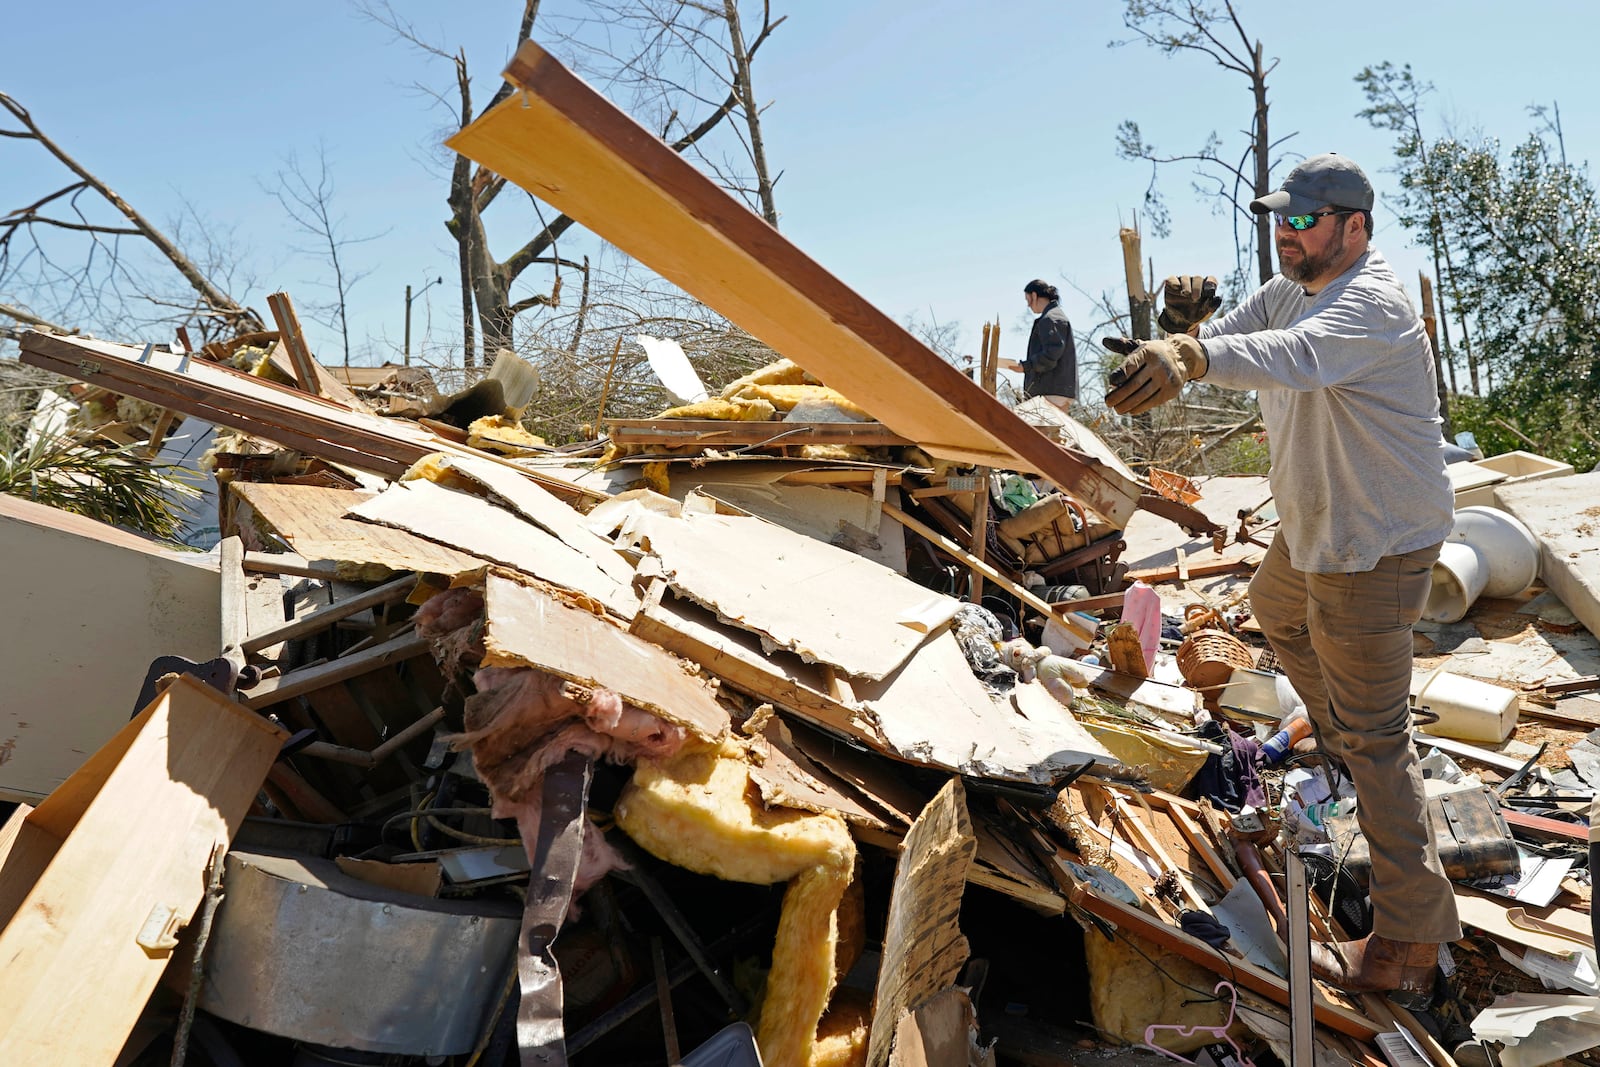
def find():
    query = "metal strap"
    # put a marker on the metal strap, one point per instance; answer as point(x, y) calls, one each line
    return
point(541, 1037)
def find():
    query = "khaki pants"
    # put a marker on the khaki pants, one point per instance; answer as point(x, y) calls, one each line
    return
point(1344, 640)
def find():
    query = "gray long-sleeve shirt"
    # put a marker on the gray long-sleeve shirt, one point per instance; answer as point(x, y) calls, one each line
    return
point(1346, 384)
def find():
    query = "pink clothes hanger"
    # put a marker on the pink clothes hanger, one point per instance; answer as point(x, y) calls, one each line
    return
point(1220, 1033)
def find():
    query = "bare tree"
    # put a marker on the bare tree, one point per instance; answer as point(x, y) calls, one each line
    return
point(1174, 26)
point(659, 54)
point(307, 199)
point(94, 279)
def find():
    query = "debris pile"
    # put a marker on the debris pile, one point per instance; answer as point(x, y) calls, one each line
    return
point(818, 739)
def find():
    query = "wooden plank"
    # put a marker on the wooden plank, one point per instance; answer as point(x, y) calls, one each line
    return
point(291, 563)
point(566, 144)
point(322, 618)
point(221, 395)
point(1542, 827)
point(525, 626)
point(1027, 596)
point(272, 691)
point(1208, 569)
point(123, 843)
point(228, 397)
point(234, 620)
point(328, 385)
point(1239, 971)
point(726, 433)
point(305, 368)
point(1102, 602)
point(1574, 685)
point(12, 830)
point(848, 476)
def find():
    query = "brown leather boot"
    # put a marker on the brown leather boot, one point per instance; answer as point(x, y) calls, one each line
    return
point(1377, 964)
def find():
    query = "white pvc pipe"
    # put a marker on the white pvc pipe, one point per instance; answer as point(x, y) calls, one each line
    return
point(1488, 553)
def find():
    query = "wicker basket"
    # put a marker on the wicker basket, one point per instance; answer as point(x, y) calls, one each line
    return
point(1207, 658)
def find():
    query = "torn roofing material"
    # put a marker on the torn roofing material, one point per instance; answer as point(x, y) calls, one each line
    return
point(568, 145)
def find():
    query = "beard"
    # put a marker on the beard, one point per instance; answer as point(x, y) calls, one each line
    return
point(1311, 267)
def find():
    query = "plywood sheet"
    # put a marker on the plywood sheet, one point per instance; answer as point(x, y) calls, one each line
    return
point(824, 603)
point(923, 948)
point(473, 524)
point(566, 144)
point(935, 711)
point(1564, 514)
point(526, 626)
point(128, 836)
point(313, 520)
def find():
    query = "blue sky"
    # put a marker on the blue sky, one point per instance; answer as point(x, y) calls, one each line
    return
point(935, 156)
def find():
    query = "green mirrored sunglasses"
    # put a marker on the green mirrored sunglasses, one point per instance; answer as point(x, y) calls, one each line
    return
point(1305, 222)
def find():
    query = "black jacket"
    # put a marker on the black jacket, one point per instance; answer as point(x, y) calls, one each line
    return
point(1051, 368)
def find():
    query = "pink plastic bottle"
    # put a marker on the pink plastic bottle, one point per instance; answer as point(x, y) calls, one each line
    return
point(1141, 608)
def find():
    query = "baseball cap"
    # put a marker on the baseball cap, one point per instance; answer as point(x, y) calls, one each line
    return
point(1319, 180)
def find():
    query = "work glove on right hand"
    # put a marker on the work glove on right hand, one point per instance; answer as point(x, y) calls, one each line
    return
point(1153, 373)
point(1187, 301)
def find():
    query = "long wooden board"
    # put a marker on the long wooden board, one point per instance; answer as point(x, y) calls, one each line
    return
point(562, 141)
point(227, 397)
point(723, 433)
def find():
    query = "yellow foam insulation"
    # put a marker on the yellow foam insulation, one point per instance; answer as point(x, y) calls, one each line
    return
point(732, 409)
point(849, 452)
point(436, 468)
point(842, 1035)
point(783, 372)
point(1169, 764)
point(655, 476)
point(699, 810)
point(263, 367)
point(496, 433)
point(785, 397)
point(1128, 993)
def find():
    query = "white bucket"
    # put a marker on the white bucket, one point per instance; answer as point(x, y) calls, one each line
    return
point(1468, 709)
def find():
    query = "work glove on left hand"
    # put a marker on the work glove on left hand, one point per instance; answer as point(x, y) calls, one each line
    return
point(1153, 373)
point(1187, 301)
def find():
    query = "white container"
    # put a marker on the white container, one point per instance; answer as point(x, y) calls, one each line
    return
point(1468, 710)
point(1489, 553)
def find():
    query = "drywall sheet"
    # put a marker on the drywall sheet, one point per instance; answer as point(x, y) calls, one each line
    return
point(473, 524)
point(825, 603)
point(526, 626)
point(933, 710)
point(1564, 514)
point(88, 608)
point(539, 505)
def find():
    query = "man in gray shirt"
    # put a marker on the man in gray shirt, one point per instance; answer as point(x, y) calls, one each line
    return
point(1344, 373)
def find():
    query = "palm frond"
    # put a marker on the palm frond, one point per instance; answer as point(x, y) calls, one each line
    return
point(114, 485)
